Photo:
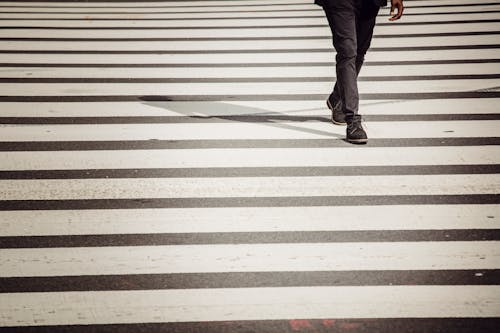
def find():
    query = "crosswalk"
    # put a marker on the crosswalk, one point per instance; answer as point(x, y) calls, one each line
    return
point(170, 166)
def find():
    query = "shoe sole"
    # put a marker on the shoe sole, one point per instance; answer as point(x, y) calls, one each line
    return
point(357, 140)
point(333, 121)
point(337, 123)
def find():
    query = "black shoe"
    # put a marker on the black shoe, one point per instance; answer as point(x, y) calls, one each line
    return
point(338, 117)
point(356, 133)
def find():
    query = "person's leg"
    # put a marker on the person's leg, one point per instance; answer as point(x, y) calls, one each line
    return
point(364, 34)
point(342, 18)
point(364, 30)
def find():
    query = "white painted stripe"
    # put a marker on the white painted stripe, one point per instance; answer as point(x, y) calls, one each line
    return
point(245, 72)
point(251, 58)
point(198, 305)
point(244, 88)
point(157, 14)
point(232, 108)
point(482, 15)
point(255, 157)
point(130, 109)
point(431, 106)
point(308, 5)
point(111, 4)
point(241, 187)
point(244, 32)
point(240, 45)
point(160, 14)
point(11, 20)
point(188, 9)
point(249, 258)
point(151, 3)
point(240, 131)
point(209, 3)
point(247, 219)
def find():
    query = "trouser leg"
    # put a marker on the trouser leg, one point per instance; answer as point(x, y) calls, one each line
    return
point(342, 16)
point(351, 23)
point(364, 31)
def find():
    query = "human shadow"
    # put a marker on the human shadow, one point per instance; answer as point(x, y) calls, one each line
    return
point(230, 112)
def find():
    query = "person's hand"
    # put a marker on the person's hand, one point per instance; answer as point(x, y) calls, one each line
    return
point(396, 4)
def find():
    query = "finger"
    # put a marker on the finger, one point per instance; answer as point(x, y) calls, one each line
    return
point(400, 12)
point(392, 12)
point(398, 15)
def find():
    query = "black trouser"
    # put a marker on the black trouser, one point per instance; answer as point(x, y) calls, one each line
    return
point(352, 23)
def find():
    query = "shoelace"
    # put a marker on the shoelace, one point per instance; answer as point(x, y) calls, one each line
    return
point(354, 126)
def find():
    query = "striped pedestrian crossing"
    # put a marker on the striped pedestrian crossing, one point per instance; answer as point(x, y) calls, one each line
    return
point(170, 166)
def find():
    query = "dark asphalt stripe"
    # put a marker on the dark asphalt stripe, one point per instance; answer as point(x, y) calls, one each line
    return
point(333, 325)
point(252, 172)
point(486, 93)
point(229, 4)
point(320, 16)
point(235, 143)
point(248, 79)
point(249, 202)
point(248, 280)
point(408, 49)
point(242, 27)
point(244, 64)
point(268, 118)
point(262, 38)
point(409, 7)
point(250, 238)
point(118, 1)
point(161, 12)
